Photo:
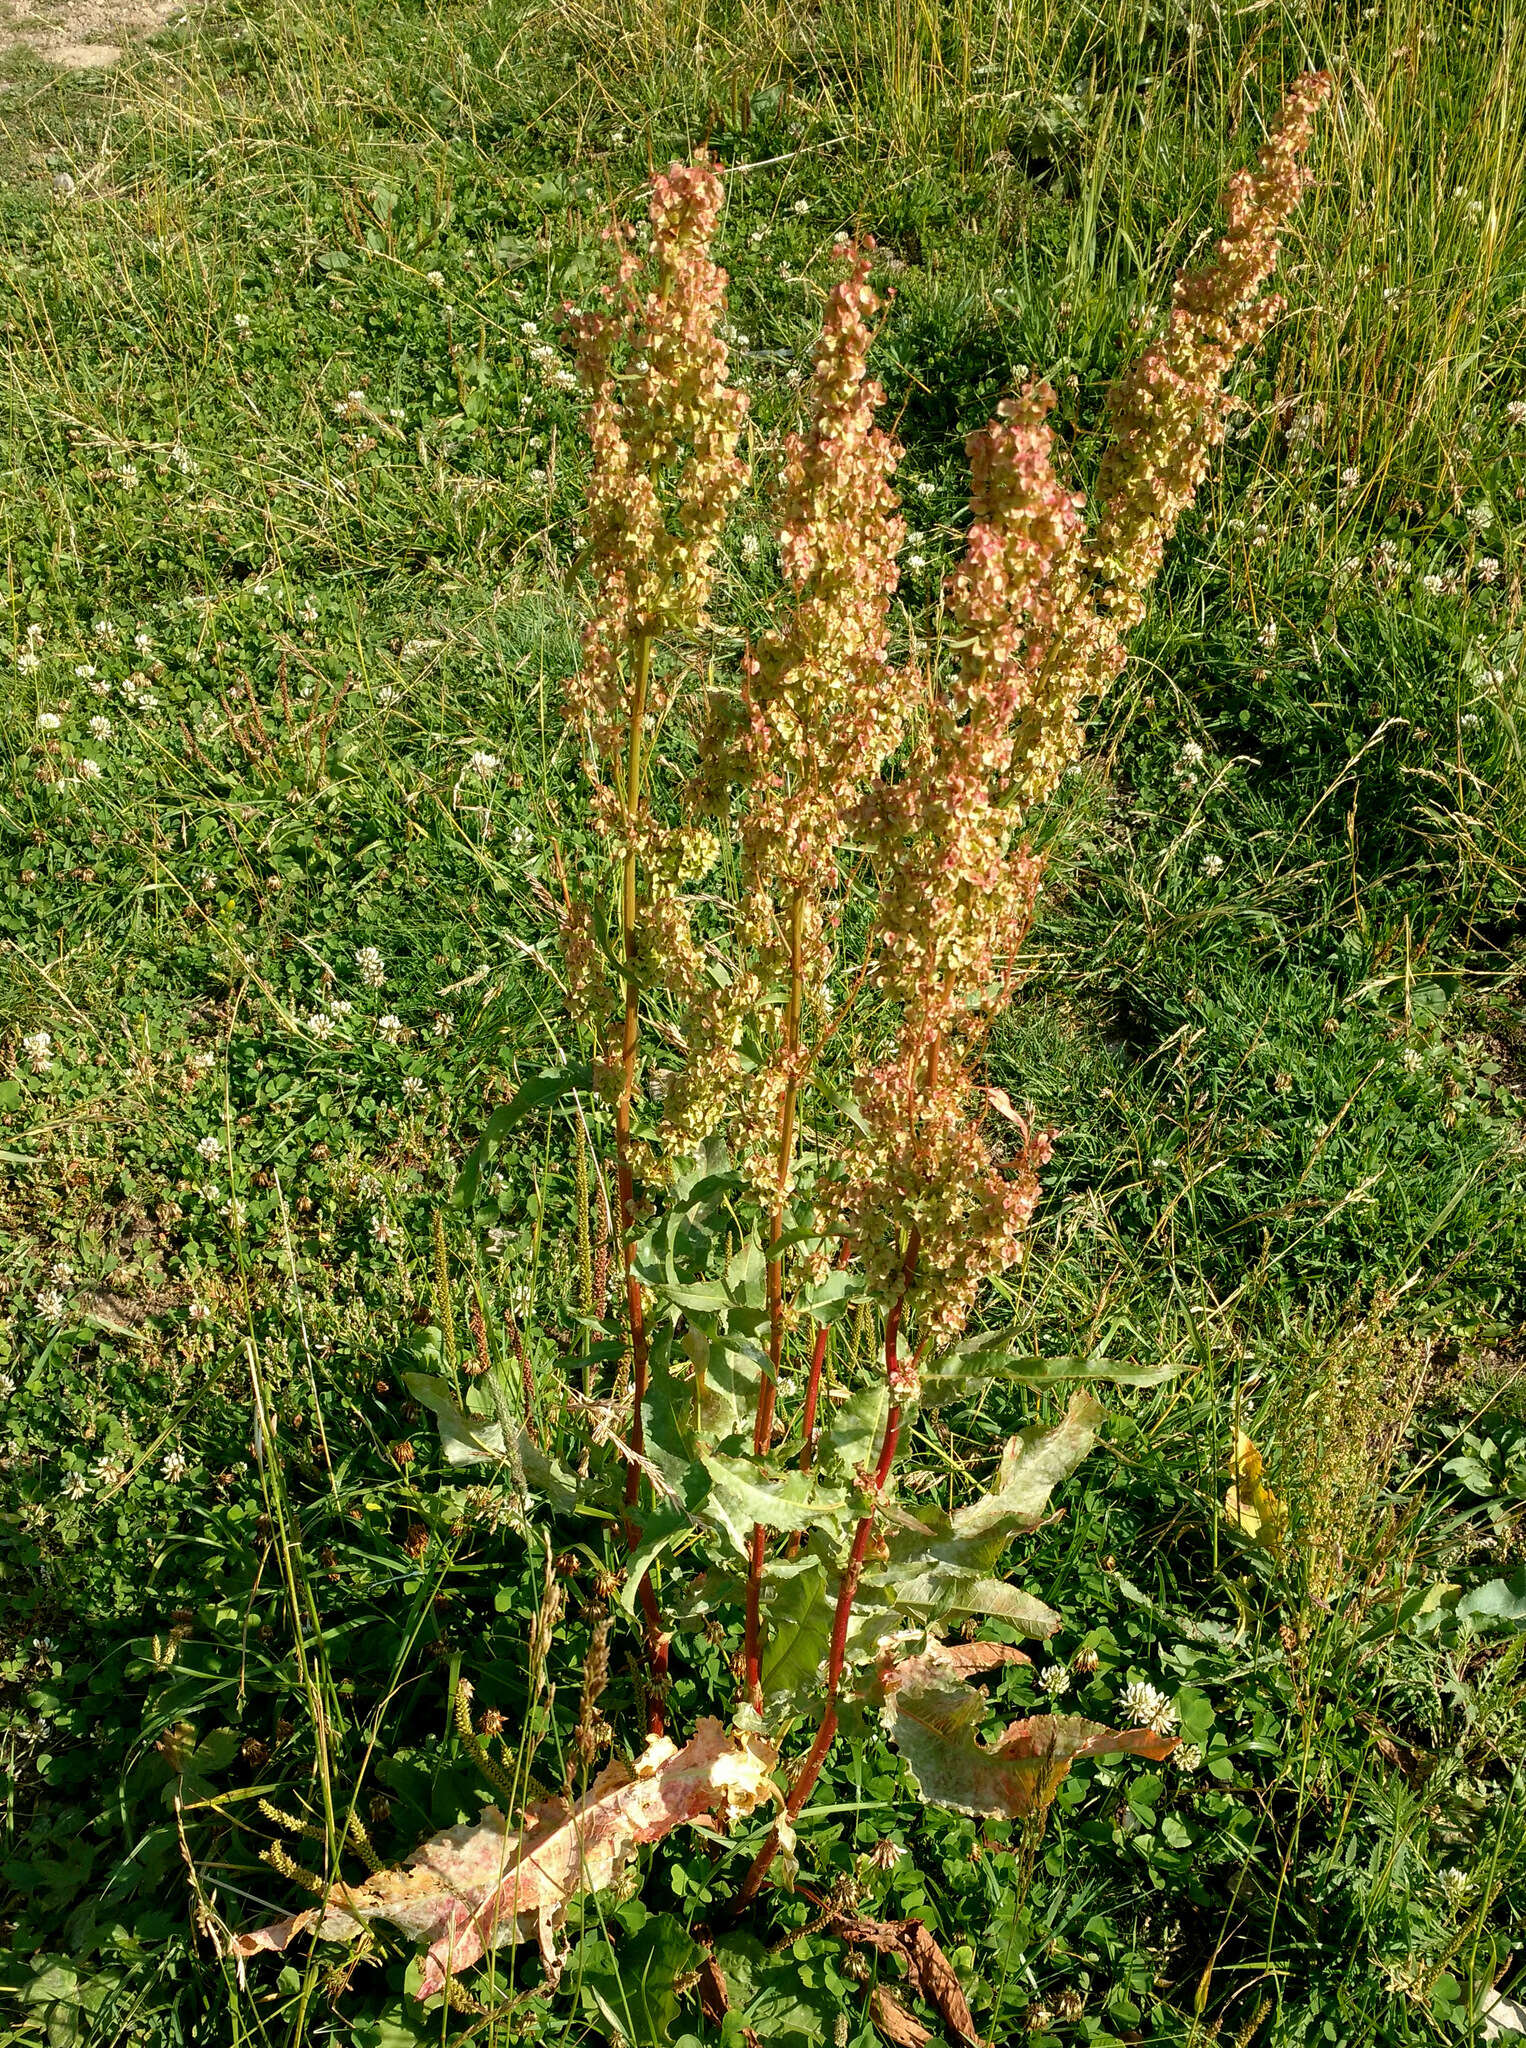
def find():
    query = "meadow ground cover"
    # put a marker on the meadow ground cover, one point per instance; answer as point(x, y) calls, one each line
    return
point(294, 466)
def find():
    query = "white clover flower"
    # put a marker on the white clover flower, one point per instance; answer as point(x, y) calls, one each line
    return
point(1187, 1757)
point(413, 1087)
point(1350, 478)
point(537, 477)
point(1213, 864)
point(1268, 634)
point(443, 1025)
point(757, 235)
point(435, 278)
point(529, 328)
point(1455, 1887)
point(76, 1487)
point(48, 721)
point(27, 661)
point(100, 727)
point(483, 765)
point(85, 670)
point(1480, 517)
point(1191, 755)
point(1487, 569)
point(915, 562)
point(389, 1029)
point(211, 1194)
point(385, 695)
point(321, 1024)
point(198, 1311)
point(35, 634)
point(7, 1386)
point(175, 1467)
point(1055, 1681)
point(90, 770)
point(38, 1048)
point(1411, 1059)
point(369, 962)
point(1143, 1706)
point(108, 1471)
point(802, 206)
point(203, 1062)
point(237, 1214)
point(1515, 413)
point(186, 464)
point(143, 641)
point(127, 476)
point(209, 1148)
point(749, 547)
point(147, 701)
point(384, 1230)
point(206, 881)
point(50, 1305)
point(1433, 585)
point(340, 1006)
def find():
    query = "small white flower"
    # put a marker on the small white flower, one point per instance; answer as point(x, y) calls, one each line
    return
point(1433, 585)
point(198, 1312)
point(443, 1025)
point(1144, 1707)
point(1268, 634)
point(389, 1029)
point(537, 477)
point(915, 562)
point(50, 1305)
point(340, 1006)
point(105, 630)
point(320, 1024)
point(175, 1467)
point(90, 770)
point(1487, 569)
point(1480, 517)
point(108, 1471)
point(369, 962)
point(38, 1048)
point(48, 721)
point(7, 1386)
point(1350, 478)
point(1515, 413)
point(76, 1487)
point(759, 234)
point(209, 1148)
point(241, 322)
point(1187, 1757)
point(802, 206)
point(203, 1062)
point(1191, 755)
point(27, 661)
point(1455, 1887)
point(143, 641)
point(1411, 1059)
point(749, 547)
point(212, 1195)
point(386, 695)
point(1055, 1681)
point(147, 701)
point(528, 328)
point(127, 476)
point(100, 727)
point(206, 881)
point(384, 1230)
point(1213, 864)
point(413, 1087)
point(483, 765)
point(34, 634)
point(436, 278)
point(237, 1214)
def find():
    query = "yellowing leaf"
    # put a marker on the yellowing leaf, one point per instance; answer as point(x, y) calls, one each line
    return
point(1250, 1503)
point(474, 1888)
point(932, 1717)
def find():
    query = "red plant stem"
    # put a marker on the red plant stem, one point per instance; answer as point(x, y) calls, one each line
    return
point(826, 1733)
point(813, 1384)
point(768, 1388)
point(657, 1647)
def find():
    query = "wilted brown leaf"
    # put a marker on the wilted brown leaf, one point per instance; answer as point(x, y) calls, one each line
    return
point(929, 1970)
point(899, 2027)
point(485, 1886)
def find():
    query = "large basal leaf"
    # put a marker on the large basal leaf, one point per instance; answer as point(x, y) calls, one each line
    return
point(798, 1606)
point(744, 1493)
point(932, 1717)
point(999, 1357)
point(474, 1888)
point(468, 1439)
point(940, 1593)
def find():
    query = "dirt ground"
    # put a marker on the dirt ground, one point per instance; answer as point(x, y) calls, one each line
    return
point(81, 35)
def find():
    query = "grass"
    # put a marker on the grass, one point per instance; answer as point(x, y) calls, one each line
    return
point(285, 393)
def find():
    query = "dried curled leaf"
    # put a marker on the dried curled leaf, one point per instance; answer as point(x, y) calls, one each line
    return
point(473, 1888)
point(894, 2023)
point(1250, 1503)
point(932, 1717)
point(928, 1969)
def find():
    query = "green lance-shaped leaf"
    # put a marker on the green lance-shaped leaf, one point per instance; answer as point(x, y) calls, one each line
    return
point(743, 1492)
point(1032, 1465)
point(538, 1093)
point(468, 1439)
point(1000, 1357)
point(943, 1594)
point(932, 1717)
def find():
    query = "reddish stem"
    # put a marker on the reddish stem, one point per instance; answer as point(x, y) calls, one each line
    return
point(826, 1733)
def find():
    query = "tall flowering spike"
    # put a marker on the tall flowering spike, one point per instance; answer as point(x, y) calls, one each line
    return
point(819, 711)
point(664, 425)
point(1168, 410)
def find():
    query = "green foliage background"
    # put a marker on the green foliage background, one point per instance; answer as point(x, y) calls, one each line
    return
point(285, 391)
